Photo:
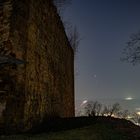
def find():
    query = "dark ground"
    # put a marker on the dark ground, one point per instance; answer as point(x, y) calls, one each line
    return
point(81, 128)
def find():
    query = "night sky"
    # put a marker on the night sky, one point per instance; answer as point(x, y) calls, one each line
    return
point(104, 27)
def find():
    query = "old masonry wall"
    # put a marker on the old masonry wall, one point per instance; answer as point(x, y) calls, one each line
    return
point(44, 86)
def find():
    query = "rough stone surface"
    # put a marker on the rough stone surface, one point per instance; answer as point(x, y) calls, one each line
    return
point(44, 86)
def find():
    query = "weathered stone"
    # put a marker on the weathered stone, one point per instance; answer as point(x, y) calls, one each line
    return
point(43, 87)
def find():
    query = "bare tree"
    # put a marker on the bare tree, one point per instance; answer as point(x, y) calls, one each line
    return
point(111, 110)
point(73, 35)
point(114, 109)
point(124, 114)
point(88, 108)
point(93, 108)
point(98, 109)
point(136, 118)
point(74, 39)
point(105, 111)
point(131, 52)
point(71, 31)
point(61, 4)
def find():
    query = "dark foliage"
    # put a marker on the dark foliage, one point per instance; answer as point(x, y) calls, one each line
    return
point(61, 3)
point(131, 52)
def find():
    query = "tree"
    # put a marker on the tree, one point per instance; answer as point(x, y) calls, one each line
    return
point(71, 31)
point(93, 108)
point(111, 110)
point(61, 4)
point(125, 114)
point(88, 108)
point(114, 109)
point(105, 111)
point(73, 37)
point(136, 118)
point(99, 108)
point(132, 50)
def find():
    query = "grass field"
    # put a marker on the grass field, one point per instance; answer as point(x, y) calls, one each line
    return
point(101, 130)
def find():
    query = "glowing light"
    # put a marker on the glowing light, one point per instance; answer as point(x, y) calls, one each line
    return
point(138, 113)
point(129, 117)
point(129, 98)
point(84, 102)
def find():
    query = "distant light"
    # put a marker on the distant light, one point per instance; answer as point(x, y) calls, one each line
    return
point(129, 117)
point(129, 98)
point(138, 113)
point(84, 102)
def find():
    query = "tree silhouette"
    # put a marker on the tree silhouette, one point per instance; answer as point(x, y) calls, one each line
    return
point(136, 118)
point(114, 109)
point(73, 37)
point(131, 52)
point(61, 5)
point(93, 108)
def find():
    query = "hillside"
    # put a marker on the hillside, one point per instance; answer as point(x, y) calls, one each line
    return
point(101, 128)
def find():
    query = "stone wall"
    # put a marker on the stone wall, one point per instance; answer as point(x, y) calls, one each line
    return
point(44, 85)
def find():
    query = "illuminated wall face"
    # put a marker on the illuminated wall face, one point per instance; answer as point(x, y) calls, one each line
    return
point(44, 86)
